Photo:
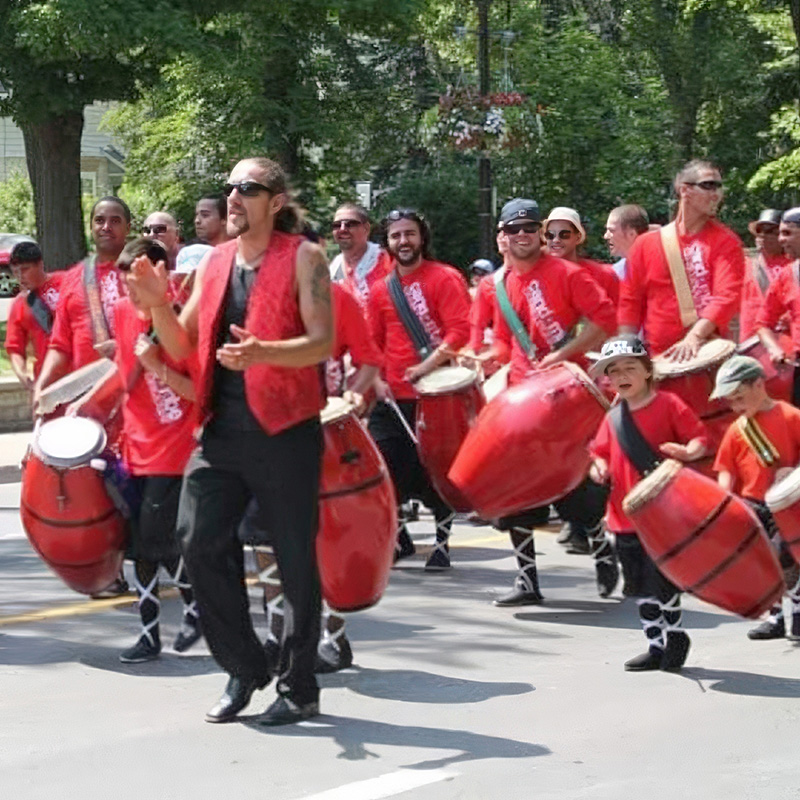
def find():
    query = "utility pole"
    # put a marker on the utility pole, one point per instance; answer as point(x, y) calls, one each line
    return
point(484, 165)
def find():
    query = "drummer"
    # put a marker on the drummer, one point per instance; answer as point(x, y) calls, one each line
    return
point(481, 313)
point(782, 300)
point(764, 439)
point(763, 268)
point(548, 298)
point(669, 428)
point(435, 298)
point(30, 318)
point(680, 306)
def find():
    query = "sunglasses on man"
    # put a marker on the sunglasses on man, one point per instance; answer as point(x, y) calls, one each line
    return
point(155, 230)
point(345, 224)
point(562, 235)
point(706, 186)
point(245, 189)
point(523, 227)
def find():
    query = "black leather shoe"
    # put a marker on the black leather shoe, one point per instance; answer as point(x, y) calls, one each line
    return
point(519, 597)
point(333, 655)
point(404, 547)
point(768, 629)
point(284, 712)
point(607, 577)
point(235, 698)
point(675, 650)
point(645, 662)
point(188, 635)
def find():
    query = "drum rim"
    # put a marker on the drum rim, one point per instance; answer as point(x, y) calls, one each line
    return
point(651, 485)
point(679, 368)
point(470, 379)
point(785, 492)
point(336, 408)
point(74, 461)
point(583, 376)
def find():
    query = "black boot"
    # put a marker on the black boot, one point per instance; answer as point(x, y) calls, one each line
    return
point(605, 560)
point(774, 627)
point(404, 546)
point(526, 584)
point(675, 651)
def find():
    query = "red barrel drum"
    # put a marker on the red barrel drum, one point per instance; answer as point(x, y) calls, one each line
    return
point(358, 513)
point(528, 446)
point(783, 500)
point(779, 377)
point(449, 402)
point(705, 540)
point(65, 508)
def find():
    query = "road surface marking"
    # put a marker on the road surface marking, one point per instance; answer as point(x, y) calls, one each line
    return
point(389, 785)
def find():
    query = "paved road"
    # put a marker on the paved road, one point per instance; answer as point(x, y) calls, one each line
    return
point(450, 697)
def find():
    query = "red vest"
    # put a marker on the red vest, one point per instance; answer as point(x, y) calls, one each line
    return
point(279, 397)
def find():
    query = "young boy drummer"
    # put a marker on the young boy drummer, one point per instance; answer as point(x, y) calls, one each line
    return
point(667, 428)
point(762, 440)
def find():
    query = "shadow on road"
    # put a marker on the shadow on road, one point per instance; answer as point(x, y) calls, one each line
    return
point(743, 683)
point(355, 735)
point(415, 686)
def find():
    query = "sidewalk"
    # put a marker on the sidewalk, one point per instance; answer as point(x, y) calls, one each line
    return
point(12, 449)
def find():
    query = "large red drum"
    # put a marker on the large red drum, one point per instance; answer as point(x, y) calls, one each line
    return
point(65, 508)
point(779, 377)
point(705, 540)
point(358, 513)
point(528, 446)
point(783, 500)
point(449, 403)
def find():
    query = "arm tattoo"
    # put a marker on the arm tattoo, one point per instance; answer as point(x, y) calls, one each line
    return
point(321, 284)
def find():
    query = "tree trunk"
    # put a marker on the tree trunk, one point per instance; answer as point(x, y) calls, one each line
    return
point(53, 155)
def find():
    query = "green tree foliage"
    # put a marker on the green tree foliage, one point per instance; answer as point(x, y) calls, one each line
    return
point(16, 206)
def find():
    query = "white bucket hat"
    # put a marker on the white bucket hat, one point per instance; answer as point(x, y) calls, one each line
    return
point(565, 214)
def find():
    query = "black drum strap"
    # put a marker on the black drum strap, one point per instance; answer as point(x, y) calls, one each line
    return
point(41, 313)
point(633, 444)
point(416, 332)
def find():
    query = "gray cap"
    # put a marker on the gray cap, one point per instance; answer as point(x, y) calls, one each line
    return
point(519, 208)
point(482, 265)
point(733, 372)
point(792, 215)
point(626, 345)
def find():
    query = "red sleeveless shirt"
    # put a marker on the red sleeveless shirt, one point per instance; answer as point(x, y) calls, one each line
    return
point(278, 397)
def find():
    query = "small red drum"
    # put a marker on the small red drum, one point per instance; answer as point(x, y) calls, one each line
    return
point(449, 403)
point(705, 540)
point(358, 513)
point(528, 446)
point(65, 508)
point(783, 500)
point(780, 377)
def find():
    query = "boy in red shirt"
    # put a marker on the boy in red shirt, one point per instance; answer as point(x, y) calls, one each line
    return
point(764, 439)
point(673, 430)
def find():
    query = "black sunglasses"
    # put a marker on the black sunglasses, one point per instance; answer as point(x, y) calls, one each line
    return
point(706, 186)
point(345, 223)
point(523, 227)
point(154, 229)
point(563, 235)
point(245, 188)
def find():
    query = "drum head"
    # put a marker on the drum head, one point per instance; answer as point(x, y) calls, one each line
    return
point(784, 493)
point(710, 355)
point(335, 409)
point(69, 441)
point(73, 385)
point(445, 380)
point(651, 486)
point(588, 383)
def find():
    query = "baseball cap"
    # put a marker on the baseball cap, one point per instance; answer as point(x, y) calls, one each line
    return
point(190, 256)
point(482, 265)
point(626, 345)
point(567, 215)
point(792, 215)
point(733, 373)
point(519, 208)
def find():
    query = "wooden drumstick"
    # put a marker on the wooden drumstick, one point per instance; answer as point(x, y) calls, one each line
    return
point(393, 405)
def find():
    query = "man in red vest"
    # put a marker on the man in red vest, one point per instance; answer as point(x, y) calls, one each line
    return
point(260, 320)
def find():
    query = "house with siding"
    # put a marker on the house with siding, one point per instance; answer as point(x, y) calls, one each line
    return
point(102, 162)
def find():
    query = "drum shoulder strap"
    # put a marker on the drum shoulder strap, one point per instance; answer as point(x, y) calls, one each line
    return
point(512, 319)
point(677, 271)
point(758, 441)
point(92, 289)
point(41, 313)
point(760, 272)
point(411, 322)
point(636, 448)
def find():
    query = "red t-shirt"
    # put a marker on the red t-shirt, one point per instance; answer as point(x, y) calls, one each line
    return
point(158, 424)
point(22, 326)
point(781, 425)
point(783, 298)
point(352, 332)
point(481, 312)
point(665, 419)
point(715, 267)
point(361, 289)
point(72, 330)
point(438, 296)
point(752, 296)
point(605, 276)
point(550, 300)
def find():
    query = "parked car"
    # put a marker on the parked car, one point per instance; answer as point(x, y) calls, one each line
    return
point(8, 283)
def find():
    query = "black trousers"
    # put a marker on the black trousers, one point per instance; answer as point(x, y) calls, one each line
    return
point(153, 536)
point(282, 473)
point(642, 577)
point(410, 478)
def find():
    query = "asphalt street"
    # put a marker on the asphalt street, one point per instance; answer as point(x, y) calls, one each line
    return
point(449, 696)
